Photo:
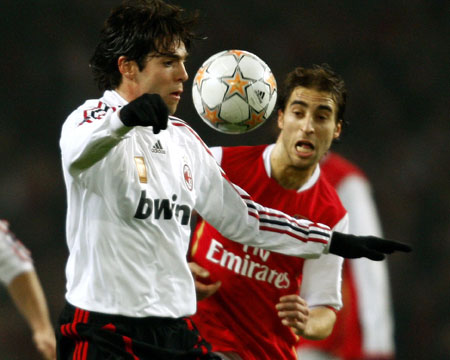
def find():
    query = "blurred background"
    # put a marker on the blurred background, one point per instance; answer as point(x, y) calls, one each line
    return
point(394, 57)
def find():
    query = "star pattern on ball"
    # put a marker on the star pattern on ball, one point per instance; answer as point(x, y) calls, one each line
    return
point(271, 80)
point(212, 115)
point(255, 119)
point(199, 76)
point(238, 53)
point(236, 84)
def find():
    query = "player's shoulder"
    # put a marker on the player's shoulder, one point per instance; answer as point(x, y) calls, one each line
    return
point(89, 111)
point(323, 203)
point(9, 244)
point(329, 191)
point(335, 168)
point(180, 126)
point(182, 129)
point(244, 152)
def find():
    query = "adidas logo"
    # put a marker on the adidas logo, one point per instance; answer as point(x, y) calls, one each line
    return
point(157, 148)
point(260, 94)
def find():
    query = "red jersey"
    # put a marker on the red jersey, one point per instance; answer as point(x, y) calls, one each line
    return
point(364, 325)
point(241, 316)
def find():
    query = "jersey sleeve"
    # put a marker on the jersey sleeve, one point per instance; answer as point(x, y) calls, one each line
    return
point(217, 152)
point(322, 278)
point(236, 216)
point(371, 277)
point(87, 137)
point(14, 257)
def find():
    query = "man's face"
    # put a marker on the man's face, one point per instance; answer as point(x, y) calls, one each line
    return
point(308, 127)
point(164, 74)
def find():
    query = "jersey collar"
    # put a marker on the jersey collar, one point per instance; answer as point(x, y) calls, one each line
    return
point(311, 181)
point(113, 97)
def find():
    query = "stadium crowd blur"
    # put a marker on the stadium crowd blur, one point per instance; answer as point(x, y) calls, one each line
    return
point(394, 57)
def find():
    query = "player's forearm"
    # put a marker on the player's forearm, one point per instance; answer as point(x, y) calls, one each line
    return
point(320, 323)
point(244, 221)
point(28, 296)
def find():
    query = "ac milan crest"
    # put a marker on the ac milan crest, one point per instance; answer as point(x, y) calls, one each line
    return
point(187, 175)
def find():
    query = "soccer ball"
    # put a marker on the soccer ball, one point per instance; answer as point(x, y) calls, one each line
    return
point(234, 91)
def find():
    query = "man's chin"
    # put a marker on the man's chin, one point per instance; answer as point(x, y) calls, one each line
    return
point(172, 109)
point(304, 163)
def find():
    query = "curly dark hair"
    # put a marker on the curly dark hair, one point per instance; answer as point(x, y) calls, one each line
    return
point(318, 77)
point(135, 29)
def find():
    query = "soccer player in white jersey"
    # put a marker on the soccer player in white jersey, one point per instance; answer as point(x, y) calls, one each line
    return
point(133, 175)
point(17, 273)
point(364, 328)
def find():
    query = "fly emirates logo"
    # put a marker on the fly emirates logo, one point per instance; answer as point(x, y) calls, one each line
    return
point(246, 266)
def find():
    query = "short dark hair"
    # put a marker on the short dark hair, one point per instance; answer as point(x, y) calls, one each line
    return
point(318, 77)
point(135, 29)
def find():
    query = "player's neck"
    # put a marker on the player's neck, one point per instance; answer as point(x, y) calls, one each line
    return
point(288, 176)
point(127, 90)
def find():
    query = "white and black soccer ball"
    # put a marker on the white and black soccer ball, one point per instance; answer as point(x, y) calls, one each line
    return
point(234, 91)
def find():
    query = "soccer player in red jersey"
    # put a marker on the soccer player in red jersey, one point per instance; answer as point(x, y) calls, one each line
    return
point(265, 301)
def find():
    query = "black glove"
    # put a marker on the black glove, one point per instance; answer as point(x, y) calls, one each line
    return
point(372, 247)
point(146, 110)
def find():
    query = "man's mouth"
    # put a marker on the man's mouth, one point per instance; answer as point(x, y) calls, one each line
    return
point(176, 94)
point(304, 146)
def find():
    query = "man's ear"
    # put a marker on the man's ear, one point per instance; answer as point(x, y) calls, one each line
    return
point(280, 119)
point(126, 67)
point(337, 130)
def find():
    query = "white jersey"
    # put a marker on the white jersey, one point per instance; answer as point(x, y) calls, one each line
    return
point(14, 257)
point(130, 194)
point(371, 277)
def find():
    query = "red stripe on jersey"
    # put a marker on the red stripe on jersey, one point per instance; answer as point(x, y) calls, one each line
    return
point(129, 346)
point(266, 228)
point(193, 133)
point(71, 329)
point(21, 250)
point(63, 330)
point(76, 353)
point(85, 350)
point(17, 246)
point(291, 221)
point(85, 316)
point(256, 216)
point(109, 327)
point(189, 324)
point(284, 217)
point(204, 349)
point(78, 350)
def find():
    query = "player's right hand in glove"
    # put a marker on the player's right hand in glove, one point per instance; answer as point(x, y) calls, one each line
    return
point(371, 247)
point(146, 110)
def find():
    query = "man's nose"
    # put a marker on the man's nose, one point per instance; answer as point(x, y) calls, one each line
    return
point(183, 73)
point(307, 124)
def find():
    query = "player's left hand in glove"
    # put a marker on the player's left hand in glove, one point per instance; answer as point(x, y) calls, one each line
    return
point(146, 110)
point(371, 247)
